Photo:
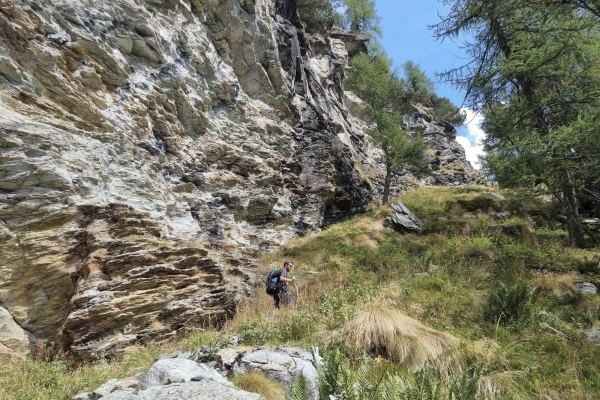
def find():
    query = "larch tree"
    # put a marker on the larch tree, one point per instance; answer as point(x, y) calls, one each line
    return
point(535, 75)
point(382, 91)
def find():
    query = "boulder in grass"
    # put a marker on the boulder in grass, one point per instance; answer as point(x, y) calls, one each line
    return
point(586, 288)
point(178, 370)
point(282, 365)
point(402, 220)
point(593, 336)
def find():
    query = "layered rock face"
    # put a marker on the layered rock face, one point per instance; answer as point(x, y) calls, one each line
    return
point(150, 150)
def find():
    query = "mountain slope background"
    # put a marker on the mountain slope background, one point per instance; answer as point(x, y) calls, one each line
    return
point(446, 278)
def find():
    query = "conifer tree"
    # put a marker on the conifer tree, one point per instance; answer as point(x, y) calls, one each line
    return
point(382, 91)
point(535, 75)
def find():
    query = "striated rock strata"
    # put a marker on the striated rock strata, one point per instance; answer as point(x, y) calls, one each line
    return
point(151, 149)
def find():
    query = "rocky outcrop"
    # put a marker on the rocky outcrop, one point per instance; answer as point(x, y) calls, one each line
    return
point(151, 149)
point(201, 374)
point(444, 157)
point(402, 220)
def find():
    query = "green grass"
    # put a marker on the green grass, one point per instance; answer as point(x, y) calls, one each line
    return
point(442, 277)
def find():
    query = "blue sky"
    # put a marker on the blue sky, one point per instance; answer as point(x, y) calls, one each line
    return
point(406, 37)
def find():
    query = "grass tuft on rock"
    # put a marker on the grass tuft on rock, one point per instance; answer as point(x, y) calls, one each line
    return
point(256, 382)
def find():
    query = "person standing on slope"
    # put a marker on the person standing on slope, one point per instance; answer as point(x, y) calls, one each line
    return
point(283, 293)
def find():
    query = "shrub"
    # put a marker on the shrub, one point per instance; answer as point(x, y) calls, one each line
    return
point(318, 15)
point(479, 203)
point(589, 267)
point(506, 305)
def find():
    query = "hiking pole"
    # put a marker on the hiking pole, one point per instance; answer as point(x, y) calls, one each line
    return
point(297, 293)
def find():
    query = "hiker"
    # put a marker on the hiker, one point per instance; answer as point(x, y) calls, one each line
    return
point(283, 294)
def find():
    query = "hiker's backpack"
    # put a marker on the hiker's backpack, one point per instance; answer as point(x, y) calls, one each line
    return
point(273, 281)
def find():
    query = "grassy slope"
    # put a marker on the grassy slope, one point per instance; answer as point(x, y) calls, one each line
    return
point(359, 263)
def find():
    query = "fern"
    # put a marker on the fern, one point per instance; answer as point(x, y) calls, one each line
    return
point(337, 378)
point(427, 386)
point(329, 373)
point(300, 389)
point(464, 386)
point(506, 305)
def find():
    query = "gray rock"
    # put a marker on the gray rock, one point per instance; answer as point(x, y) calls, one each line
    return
point(507, 229)
point(402, 219)
point(593, 336)
point(178, 370)
point(204, 390)
point(226, 358)
point(121, 395)
point(282, 367)
point(496, 196)
point(296, 352)
point(586, 288)
point(82, 396)
point(106, 388)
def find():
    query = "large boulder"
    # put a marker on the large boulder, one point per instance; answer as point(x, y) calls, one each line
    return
point(202, 390)
point(402, 220)
point(179, 370)
point(283, 364)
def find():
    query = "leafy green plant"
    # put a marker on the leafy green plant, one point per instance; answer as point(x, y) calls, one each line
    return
point(509, 304)
point(300, 389)
point(369, 382)
point(589, 267)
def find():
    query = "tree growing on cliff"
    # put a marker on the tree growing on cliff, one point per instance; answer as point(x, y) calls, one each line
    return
point(418, 88)
point(318, 16)
point(381, 90)
point(360, 16)
point(535, 74)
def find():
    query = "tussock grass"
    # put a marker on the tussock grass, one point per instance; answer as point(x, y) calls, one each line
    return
point(256, 382)
point(381, 331)
point(556, 285)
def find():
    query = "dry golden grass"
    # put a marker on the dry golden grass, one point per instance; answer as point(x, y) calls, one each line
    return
point(503, 383)
point(256, 382)
point(486, 351)
point(379, 330)
point(555, 285)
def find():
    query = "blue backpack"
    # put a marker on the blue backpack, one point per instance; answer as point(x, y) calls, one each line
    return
point(273, 281)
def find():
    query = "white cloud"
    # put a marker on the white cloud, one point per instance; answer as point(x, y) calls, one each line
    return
point(471, 150)
point(473, 125)
point(471, 139)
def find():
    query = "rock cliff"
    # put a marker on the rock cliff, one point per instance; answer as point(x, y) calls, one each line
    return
point(151, 149)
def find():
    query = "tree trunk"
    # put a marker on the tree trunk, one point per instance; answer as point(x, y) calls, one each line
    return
point(574, 225)
point(386, 186)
